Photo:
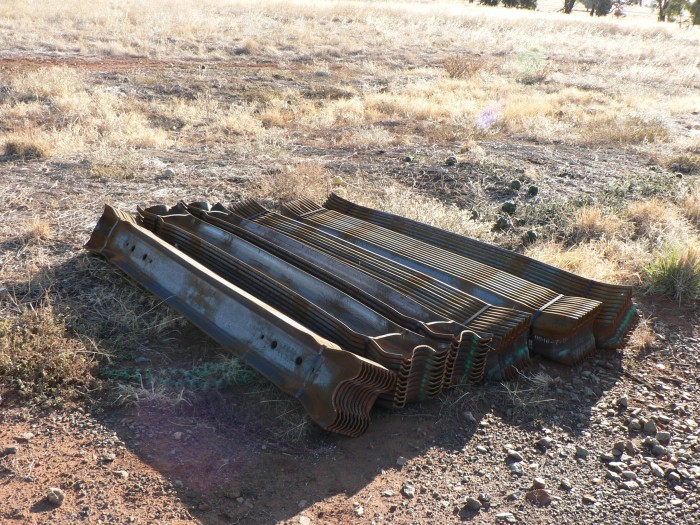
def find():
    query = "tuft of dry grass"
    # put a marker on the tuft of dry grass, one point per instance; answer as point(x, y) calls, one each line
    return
point(39, 358)
point(650, 217)
point(643, 337)
point(38, 229)
point(591, 222)
point(303, 179)
point(26, 148)
point(461, 66)
point(690, 206)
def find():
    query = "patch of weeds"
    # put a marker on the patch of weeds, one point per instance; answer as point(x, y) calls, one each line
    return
point(327, 92)
point(461, 66)
point(26, 149)
point(533, 66)
point(206, 377)
point(675, 272)
point(38, 358)
point(639, 185)
point(686, 163)
point(690, 206)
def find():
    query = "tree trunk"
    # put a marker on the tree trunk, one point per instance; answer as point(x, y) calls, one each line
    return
point(569, 6)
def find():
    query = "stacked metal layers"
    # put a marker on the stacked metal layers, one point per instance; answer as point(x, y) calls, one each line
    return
point(418, 361)
point(337, 388)
point(562, 326)
point(467, 348)
point(508, 326)
point(616, 319)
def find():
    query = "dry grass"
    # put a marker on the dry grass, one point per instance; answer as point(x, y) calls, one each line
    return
point(38, 358)
point(591, 222)
point(675, 272)
point(37, 228)
point(498, 81)
point(690, 206)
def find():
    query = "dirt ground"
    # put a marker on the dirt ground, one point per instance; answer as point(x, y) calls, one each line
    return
point(232, 456)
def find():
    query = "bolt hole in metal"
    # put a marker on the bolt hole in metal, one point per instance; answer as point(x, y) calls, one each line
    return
point(298, 361)
point(273, 344)
point(145, 255)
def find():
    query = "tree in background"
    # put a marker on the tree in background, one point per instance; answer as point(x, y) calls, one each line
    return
point(694, 9)
point(569, 6)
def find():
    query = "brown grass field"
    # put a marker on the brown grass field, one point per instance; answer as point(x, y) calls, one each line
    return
point(279, 99)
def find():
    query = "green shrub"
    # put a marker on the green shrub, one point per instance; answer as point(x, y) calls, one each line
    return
point(676, 273)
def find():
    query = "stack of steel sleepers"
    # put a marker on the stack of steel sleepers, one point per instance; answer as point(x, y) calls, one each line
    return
point(418, 361)
point(562, 326)
point(468, 348)
point(337, 387)
point(616, 319)
point(509, 327)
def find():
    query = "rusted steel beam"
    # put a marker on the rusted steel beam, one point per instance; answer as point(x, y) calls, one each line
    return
point(617, 317)
point(562, 326)
point(509, 327)
point(336, 387)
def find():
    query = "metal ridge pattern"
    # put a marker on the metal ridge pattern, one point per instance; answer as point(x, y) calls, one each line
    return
point(555, 319)
point(618, 315)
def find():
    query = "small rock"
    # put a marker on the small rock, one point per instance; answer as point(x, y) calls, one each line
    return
point(628, 474)
point(473, 504)
point(514, 455)
point(485, 499)
point(565, 484)
point(650, 427)
point(24, 437)
point(544, 442)
point(663, 437)
point(635, 425)
point(388, 493)
point(581, 452)
point(55, 496)
point(607, 457)
point(401, 461)
point(506, 517)
point(408, 490)
point(304, 520)
point(539, 483)
point(587, 499)
point(628, 485)
point(482, 449)
point(470, 417)
point(674, 476)
point(623, 400)
point(656, 470)
point(9, 449)
point(178, 483)
point(108, 458)
point(614, 476)
point(539, 497)
point(177, 436)
point(169, 173)
point(517, 468)
point(121, 474)
point(617, 466)
point(514, 496)
point(451, 160)
point(630, 447)
point(659, 450)
point(359, 511)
